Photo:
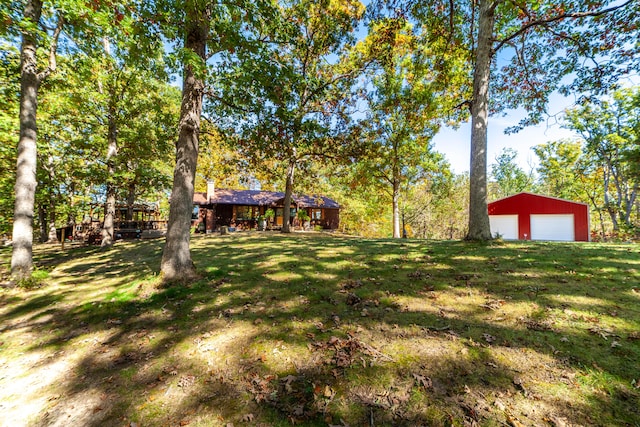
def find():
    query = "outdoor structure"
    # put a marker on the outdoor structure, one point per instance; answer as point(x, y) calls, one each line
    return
point(527, 216)
point(243, 209)
point(145, 221)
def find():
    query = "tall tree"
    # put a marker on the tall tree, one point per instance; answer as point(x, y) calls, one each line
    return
point(122, 92)
point(566, 172)
point(176, 257)
point(549, 41)
point(300, 117)
point(199, 29)
point(39, 25)
point(406, 104)
point(31, 76)
point(611, 133)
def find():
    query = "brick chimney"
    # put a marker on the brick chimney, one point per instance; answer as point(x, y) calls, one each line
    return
point(211, 189)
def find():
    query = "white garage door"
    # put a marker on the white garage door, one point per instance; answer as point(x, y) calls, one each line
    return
point(552, 227)
point(504, 225)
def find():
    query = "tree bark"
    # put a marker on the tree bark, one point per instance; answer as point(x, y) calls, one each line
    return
point(44, 224)
point(479, 228)
point(396, 209)
point(25, 187)
point(288, 194)
point(176, 257)
point(609, 205)
point(108, 228)
point(53, 235)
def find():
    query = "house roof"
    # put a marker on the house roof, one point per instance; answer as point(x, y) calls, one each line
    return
point(262, 198)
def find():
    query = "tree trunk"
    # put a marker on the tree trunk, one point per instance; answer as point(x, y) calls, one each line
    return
point(176, 257)
point(53, 236)
point(108, 228)
point(396, 209)
point(479, 228)
point(108, 233)
point(44, 224)
point(603, 230)
point(609, 205)
point(25, 187)
point(288, 193)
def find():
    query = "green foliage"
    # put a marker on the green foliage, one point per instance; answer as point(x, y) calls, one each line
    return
point(37, 279)
point(9, 87)
point(437, 207)
point(508, 176)
point(287, 126)
point(302, 215)
point(610, 131)
point(406, 100)
point(558, 169)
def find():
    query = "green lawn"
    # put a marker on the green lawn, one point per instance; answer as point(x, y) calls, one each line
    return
point(314, 329)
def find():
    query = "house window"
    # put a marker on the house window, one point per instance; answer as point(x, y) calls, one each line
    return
point(316, 214)
point(195, 212)
point(243, 212)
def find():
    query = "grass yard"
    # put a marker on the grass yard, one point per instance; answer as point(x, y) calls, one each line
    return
point(319, 330)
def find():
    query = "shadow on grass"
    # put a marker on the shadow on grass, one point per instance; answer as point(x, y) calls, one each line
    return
point(315, 330)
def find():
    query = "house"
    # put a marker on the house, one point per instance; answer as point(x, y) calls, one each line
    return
point(528, 216)
point(242, 208)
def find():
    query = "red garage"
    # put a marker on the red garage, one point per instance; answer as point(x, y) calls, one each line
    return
point(527, 216)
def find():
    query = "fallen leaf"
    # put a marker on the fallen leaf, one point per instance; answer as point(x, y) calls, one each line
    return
point(328, 392)
point(488, 338)
point(186, 381)
point(513, 421)
point(287, 382)
point(248, 418)
point(353, 299)
point(423, 381)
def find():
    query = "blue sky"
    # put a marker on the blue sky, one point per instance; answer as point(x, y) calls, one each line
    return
point(455, 144)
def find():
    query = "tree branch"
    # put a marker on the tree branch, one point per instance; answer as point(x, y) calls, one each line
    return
point(574, 15)
point(222, 100)
point(52, 51)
